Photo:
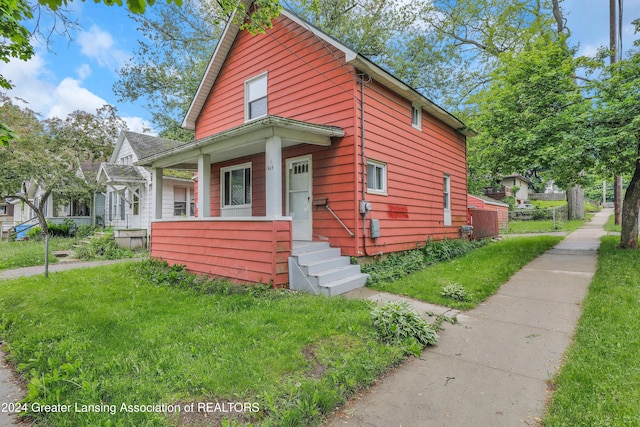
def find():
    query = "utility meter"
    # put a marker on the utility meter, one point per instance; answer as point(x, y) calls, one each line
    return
point(365, 206)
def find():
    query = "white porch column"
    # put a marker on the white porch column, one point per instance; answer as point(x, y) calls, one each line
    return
point(157, 193)
point(204, 185)
point(273, 178)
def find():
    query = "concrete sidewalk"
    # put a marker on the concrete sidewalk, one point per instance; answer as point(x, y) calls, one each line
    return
point(492, 368)
point(60, 266)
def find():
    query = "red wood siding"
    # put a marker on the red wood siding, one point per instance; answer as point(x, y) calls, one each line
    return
point(502, 211)
point(417, 161)
point(305, 82)
point(309, 81)
point(244, 251)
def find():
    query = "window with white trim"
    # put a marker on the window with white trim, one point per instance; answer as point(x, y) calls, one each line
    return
point(416, 116)
point(376, 177)
point(255, 93)
point(3, 210)
point(446, 184)
point(236, 186)
point(179, 201)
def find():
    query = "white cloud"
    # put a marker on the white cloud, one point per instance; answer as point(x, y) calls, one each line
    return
point(99, 45)
point(84, 71)
point(32, 82)
point(138, 124)
point(70, 96)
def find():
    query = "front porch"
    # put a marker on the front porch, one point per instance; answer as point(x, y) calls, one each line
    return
point(254, 250)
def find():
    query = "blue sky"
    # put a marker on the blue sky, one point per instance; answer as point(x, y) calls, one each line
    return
point(79, 75)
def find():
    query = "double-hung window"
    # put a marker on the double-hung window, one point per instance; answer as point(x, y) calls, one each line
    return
point(376, 177)
point(179, 201)
point(236, 186)
point(255, 91)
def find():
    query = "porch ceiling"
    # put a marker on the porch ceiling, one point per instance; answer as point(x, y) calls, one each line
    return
point(244, 140)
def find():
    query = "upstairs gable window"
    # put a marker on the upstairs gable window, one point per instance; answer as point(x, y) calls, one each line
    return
point(256, 97)
point(416, 116)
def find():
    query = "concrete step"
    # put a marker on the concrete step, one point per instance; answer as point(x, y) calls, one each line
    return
point(303, 247)
point(334, 275)
point(345, 285)
point(326, 264)
point(310, 257)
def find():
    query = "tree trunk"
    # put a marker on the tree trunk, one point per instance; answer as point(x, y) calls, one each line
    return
point(617, 199)
point(630, 209)
point(575, 202)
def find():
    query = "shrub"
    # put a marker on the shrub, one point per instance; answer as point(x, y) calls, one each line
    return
point(396, 323)
point(161, 273)
point(102, 248)
point(455, 291)
point(66, 229)
point(398, 265)
point(85, 231)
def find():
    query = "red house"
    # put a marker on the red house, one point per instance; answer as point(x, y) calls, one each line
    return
point(306, 154)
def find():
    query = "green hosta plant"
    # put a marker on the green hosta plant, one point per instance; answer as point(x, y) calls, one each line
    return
point(455, 291)
point(398, 324)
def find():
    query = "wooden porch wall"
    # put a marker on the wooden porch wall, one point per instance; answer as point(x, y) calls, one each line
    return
point(254, 251)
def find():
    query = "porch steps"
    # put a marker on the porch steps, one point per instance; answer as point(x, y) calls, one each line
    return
point(316, 267)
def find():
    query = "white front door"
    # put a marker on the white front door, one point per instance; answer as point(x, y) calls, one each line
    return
point(299, 197)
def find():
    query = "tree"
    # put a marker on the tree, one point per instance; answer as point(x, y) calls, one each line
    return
point(616, 119)
point(49, 153)
point(169, 63)
point(15, 37)
point(533, 116)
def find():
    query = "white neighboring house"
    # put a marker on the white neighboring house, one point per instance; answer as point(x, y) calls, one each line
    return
point(129, 188)
point(523, 183)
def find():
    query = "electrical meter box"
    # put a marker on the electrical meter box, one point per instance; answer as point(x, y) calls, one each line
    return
point(375, 229)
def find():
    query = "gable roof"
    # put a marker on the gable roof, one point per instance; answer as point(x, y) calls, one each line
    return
point(520, 177)
point(245, 140)
point(488, 200)
point(143, 145)
point(351, 57)
point(119, 173)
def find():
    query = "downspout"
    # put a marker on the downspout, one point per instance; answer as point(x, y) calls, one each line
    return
point(363, 210)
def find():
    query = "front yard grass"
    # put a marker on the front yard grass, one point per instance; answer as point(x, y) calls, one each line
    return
point(541, 226)
point(611, 225)
point(600, 381)
point(30, 252)
point(480, 272)
point(107, 337)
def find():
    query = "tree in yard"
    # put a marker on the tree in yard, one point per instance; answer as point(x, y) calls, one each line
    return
point(48, 153)
point(533, 115)
point(171, 59)
point(617, 121)
point(16, 38)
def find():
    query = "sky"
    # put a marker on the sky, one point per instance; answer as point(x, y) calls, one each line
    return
point(79, 74)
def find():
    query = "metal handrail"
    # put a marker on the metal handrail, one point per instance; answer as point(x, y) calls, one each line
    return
point(339, 220)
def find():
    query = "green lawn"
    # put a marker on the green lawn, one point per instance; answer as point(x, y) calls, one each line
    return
point(109, 337)
point(31, 252)
point(541, 226)
point(611, 225)
point(481, 272)
point(599, 384)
